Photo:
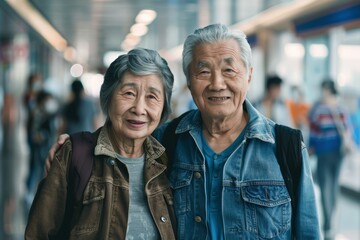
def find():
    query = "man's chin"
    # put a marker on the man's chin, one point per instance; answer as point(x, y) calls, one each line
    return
point(219, 113)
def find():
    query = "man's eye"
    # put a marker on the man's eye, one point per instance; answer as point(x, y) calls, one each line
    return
point(230, 72)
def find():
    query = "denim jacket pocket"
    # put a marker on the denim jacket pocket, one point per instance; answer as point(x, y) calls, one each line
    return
point(180, 180)
point(267, 208)
point(90, 209)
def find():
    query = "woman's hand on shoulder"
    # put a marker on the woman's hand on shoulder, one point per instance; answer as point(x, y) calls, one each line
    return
point(51, 154)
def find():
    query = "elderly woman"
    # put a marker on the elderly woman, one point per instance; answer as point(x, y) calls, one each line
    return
point(128, 194)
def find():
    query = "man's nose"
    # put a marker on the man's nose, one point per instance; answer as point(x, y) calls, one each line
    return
point(217, 81)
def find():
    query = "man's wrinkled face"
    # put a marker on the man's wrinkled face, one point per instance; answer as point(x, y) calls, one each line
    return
point(218, 79)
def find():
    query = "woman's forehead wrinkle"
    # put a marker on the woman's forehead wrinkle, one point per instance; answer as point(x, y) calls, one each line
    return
point(155, 89)
point(129, 84)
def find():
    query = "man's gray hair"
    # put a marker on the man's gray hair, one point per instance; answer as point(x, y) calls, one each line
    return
point(212, 34)
point(140, 62)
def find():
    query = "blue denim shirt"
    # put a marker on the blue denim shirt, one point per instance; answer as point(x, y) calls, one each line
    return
point(255, 201)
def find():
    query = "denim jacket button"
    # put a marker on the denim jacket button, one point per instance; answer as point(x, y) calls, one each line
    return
point(197, 175)
point(163, 219)
point(198, 219)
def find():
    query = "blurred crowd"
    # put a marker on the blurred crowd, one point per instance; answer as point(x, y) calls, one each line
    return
point(47, 116)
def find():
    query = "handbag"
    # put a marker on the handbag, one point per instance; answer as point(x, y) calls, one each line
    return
point(347, 143)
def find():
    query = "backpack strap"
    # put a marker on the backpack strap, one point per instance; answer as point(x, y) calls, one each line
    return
point(83, 144)
point(289, 156)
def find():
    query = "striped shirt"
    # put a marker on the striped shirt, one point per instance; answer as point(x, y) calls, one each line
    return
point(324, 136)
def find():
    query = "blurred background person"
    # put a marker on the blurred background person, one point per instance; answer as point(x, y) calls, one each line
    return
point(33, 87)
point(299, 110)
point(43, 130)
point(34, 84)
point(271, 104)
point(80, 113)
point(325, 143)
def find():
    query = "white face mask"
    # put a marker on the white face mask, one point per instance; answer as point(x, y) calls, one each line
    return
point(51, 106)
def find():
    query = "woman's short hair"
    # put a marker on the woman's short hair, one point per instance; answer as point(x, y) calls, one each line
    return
point(212, 34)
point(140, 62)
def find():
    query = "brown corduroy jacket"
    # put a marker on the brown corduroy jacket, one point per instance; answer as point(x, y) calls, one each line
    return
point(103, 211)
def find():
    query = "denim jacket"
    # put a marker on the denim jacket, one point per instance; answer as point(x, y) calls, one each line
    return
point(255, 201)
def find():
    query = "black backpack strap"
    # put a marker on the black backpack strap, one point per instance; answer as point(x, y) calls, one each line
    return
point(83, 144)
point(289, 156)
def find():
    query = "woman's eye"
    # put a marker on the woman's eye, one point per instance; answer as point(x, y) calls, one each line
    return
point(152, 97)
point(204, 72)
point(129, 94)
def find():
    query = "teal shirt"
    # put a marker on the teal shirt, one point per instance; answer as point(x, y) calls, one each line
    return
point(214, 175)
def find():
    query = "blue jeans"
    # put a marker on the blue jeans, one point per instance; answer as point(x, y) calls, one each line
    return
point(328, 173)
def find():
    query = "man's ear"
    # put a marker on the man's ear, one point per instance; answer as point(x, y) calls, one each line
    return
point(250, 75)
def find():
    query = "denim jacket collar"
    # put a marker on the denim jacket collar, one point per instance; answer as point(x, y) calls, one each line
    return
point(258, 126)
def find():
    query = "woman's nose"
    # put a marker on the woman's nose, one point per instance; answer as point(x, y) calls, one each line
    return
point(139, 105)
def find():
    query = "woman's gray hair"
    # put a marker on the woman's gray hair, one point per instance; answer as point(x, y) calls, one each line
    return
point(140, 62)
point(212, 34)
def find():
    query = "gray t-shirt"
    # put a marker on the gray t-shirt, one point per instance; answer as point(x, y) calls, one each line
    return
point(140, 223)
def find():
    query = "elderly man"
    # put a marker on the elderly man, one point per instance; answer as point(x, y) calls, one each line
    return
point(226, 180)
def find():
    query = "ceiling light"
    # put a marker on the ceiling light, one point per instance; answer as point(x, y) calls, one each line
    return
point(76, 70)
point(146, 16)
point(39, 23)
point(139, 29)
point(70, 54)
point(294, 50)
point(126, 47)
point(131, 39)
point(349, 52)
point(318, 50)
